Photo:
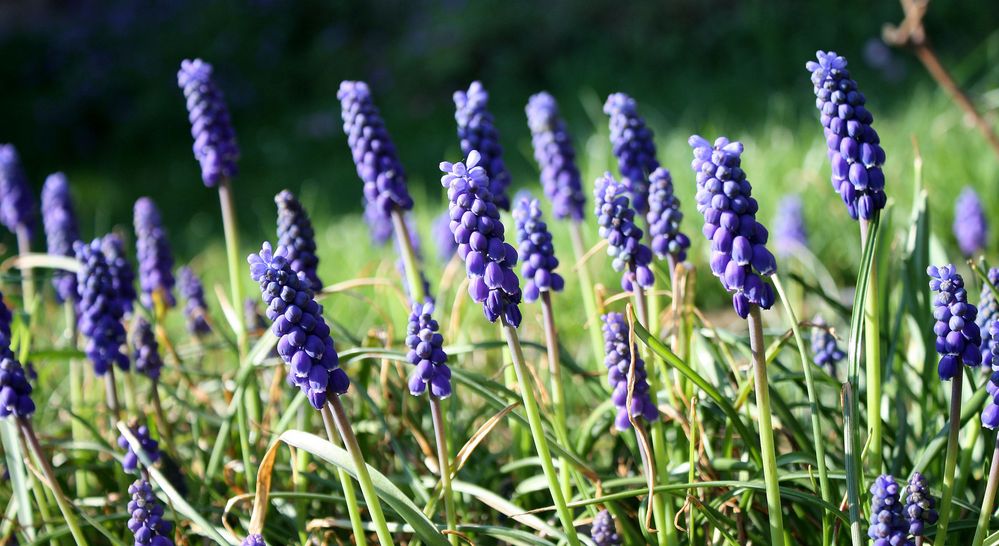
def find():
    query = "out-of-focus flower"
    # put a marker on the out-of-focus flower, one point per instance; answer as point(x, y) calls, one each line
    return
point(122, 274)
point(790, 235)
point(603, 531)
point(971, 229)
point(100, 309)
point(826, 352)
point(294, 231)
point(556, 157)
point(215, 145)
point(18, 209)
point(15, 390)
point(150, 448)
point(61, 230)
point(443, 238)
point(146, 350)
point(476, 131)
point(153, 252)
point(633, 145)
point(195, 309)
point(616, 221)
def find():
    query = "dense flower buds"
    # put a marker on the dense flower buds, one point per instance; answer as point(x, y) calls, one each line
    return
point(374, 154)
point(556, 156)
point(633, 145)
point(440, 232)
point(215, 145)
point(476, 131)
point(826, 352)
point(603, 532)
point(739, 255)
point(990, 415)
point(253, 540)
point(958, 337)
point(304, 341)
point(150, 448)
point(122, 275)
point(146, 350)
point(664, 218)
point(919, 505)
point(100, 309)
point(17, 201)
point(618, 355)
point(888, 526)
point(146, 521)
point(294, 231)
point(971, 229)
point(61, 230)
point(616, 221)
point(15, 391)
point(195, 309)
point(988, 312)
point(153, 252)
point(790, 235)
point(426, 352)
point(854, 146)
point(537, 255)
point(479, 233)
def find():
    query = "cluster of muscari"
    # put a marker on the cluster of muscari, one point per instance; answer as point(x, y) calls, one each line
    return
point(477, 131)
point(633, 145)
point(426, 352)
point(618, 362)
point(919, 508)
point(146, 516)
point(61, 230)
point(374, 156)
point(150, 448)
point(304, 341)
point(826, 352)
point(195, 308)
point(959, 339)
point(153, 253)
point(616, 221)
point(739, 256)
point(100, 309)
point(253, 540)
point(988, 312)
point(556, 157)
point(664, 218)
point(146, 350)
point(971, 229)
point(295, 234)
point(215, 145)
point(888, 525)
point(603, 531)
point(477, 229)
point(790, 235)
point(122, 274)
point(15, 390)
point(17, 202)
point(854, 146)
point(537, 255)
point(440, 231)
point(990, 415)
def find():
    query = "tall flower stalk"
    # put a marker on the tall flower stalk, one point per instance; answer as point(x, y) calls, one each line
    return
point(477, 131)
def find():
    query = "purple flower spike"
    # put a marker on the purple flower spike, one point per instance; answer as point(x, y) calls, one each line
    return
point(294, 231)
point(122, 274)
point(919, 508)
point(790, 235)
point(153, 252)
point(146, 522)
point(100, 309)
point(854, 146)
point(664, 218)
point(633, 144)
point(195, 310)
point(442, 236)
point(556, 156)
point(537, 255)
point(971, 229)
point(426, 352)
point(988, 312)
point(61, 230)
point(215, 145)
point(146, 350)
point(603, 531)
point(17, 201)
point(477, 131)
point(253, 540)
point(618, 362)
point(15, 390)
point(990, 415)
point(826, 352)
point(479, 233)
point(379, 226)
point(739, 256)
point(616, 221)
point(304, 341)
point(958, 338)
point(150, 448)
point(888, 527)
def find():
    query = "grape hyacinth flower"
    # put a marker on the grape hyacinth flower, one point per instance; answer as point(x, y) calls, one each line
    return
point(537, 255)
point(122, 275)
point(988, 312)
point(958, 338)
point(556, 157)
point(826, 352)
point(146, 350)
point(215, 145)
point(153, 252)
point(790, 235)
point(195, 310)
point(442, 236)
point(919, 505)
point(616, 221)
point(294, 231)
point(618, 362)
point(603, 532)
point(479, 233)
point(101, 309)
point(379, 226)
point(150, 448)
point(971, 229)
point(633, 145)
point(146, 521)
point(253, 540)
point(739, 256)
point(426, 352)
point(664, 218)
point(888, 527)
point(304, 341)
point(854, 146)
point(61, 231)
point(990, 415)
point(6, 317)
point(17, 200)
point(477, 131)
point(15, 390)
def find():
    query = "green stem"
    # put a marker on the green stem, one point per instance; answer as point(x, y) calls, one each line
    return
point(950, 463)
point(766, 426)
point(409, 261)
point(111, 395)
point(27, 275)
point(130, 403)
point(872, 348)
point(558, 389)
point(353, 508)
point(64, 506)
point(853, 473)
point(586, 287)
point(982, 528)
point(76, 403)
point(443, 463)
point(166, 435)
point(342, 423)
point(537, 431)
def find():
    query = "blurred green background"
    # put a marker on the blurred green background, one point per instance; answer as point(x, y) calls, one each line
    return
point(89, 88)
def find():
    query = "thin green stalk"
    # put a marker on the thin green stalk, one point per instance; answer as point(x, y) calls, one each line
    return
point(988, 500)
point(76, 369)
point(339, 416)
point(64, 506)
point(409, 261)
point(557, 388)
point(27, 275)
point(111, 395)
point(813, 407)
point(347, 483)
point(537, 431)
point(130, 403)
point(854, 475)
point(586, 287)
point(766, 425)
point(162, 425)
point(444, 464)
point(872, 349)
point(950, 462)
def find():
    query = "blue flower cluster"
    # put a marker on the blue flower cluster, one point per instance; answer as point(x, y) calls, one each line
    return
point(603, 532)
point(616, 221)
point(253, 540)
point(426, 352)
point(888, 527)
point(477, 131)
point(195, 308)
point(150, 448)
point(153, 253)
point(988, 312)
point(100, 309)
point(826, 352)
point(664, 218)
point(633, 145)
point(920, 506)
point(990, 415)
point(295, 234)
point(790, 235)
point(618, 362)
point(215, 145)
point(17, 201)
point(959, 339)
point(61, 230)
point(146, 350)
point(122, 274)
point(971, 228)
point(537, 255)
point(15, 390)
point(146, 516)
point(556, 156)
